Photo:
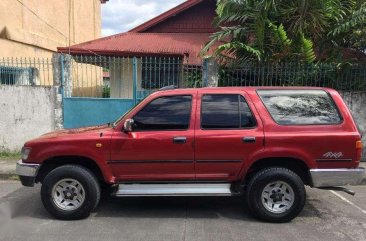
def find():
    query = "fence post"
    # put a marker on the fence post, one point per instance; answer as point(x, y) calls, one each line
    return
point(134, 78)
point(57, 69)
point(62, 75)
point(210, 73)
point(66, 75)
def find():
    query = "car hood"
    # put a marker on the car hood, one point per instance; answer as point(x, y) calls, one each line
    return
point(76, 131)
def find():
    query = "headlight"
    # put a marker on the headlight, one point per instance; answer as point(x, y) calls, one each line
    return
point(25, 153)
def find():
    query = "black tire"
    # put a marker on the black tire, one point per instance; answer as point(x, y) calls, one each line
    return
point(258, 183)
point(88, 182)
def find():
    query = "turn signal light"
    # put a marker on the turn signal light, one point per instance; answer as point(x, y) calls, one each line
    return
point(358, 145)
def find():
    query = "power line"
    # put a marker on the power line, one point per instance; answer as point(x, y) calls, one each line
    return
point(49, 25)
point(44, 21)
point(70, 25)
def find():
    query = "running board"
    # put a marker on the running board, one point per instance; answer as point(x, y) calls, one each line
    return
point(181, 189)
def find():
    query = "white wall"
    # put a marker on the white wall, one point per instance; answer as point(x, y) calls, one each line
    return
point(121, 79)
point(25, 113)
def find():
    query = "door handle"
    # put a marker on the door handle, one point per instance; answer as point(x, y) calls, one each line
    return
point(180, 140)
point(249, 139)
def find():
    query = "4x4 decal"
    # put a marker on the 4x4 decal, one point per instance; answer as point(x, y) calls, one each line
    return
point(334, 155)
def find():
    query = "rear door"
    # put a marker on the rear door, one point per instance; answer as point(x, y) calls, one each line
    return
point(227, 134)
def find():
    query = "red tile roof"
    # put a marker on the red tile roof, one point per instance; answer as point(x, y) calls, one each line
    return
point(140, 44)
point(172, 12)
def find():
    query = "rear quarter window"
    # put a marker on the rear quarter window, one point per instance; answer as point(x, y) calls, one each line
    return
point(300, 107)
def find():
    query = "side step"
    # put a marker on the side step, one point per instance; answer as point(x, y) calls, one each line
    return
point(180, 189)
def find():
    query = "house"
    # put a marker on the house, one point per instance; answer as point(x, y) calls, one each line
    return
point(31, 31)
point(170, 39)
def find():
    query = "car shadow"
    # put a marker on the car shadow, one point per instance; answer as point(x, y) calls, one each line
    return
point(26, 202)
point(173, 207)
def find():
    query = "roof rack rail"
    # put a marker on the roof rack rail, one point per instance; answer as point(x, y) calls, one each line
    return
point(169, 87)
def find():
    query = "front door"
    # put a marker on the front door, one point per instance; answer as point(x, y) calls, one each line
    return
point(160, 147)
point(227, 133)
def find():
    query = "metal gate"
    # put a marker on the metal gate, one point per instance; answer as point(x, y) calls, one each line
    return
point(98, 89)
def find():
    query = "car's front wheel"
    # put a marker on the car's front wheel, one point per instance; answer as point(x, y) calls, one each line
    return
point(276, 194)
point(70, 192)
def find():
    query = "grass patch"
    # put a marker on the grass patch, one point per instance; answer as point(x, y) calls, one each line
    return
point(11, 177)
point(9, 155)
point(14, 178)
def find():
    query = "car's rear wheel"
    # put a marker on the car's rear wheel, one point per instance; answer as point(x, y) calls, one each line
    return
point(70, 192)
point(276, 195)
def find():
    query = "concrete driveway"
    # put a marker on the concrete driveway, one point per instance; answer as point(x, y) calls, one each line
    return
point(327, 216)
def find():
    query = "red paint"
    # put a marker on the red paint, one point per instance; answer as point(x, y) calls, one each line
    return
point(306, 143)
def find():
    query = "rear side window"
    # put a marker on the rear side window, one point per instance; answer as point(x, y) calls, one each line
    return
point(229, 111)
point(300, 107)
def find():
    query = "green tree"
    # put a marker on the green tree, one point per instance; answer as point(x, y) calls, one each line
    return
point(349, 30)
point(286, 30)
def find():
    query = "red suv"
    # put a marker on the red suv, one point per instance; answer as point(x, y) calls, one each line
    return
point(263, 142)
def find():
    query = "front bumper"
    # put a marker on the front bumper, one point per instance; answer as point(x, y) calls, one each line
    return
point(336, 177)
point(27, 173)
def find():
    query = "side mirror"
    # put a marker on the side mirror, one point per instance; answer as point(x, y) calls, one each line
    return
point(128, 125)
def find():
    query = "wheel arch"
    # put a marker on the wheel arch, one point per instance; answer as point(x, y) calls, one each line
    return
point(296, 165)
point(54, 162)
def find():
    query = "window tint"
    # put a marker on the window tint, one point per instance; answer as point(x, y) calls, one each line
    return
point(300, 107)
point(246, 117)
point(225, 112)
point(165, 113)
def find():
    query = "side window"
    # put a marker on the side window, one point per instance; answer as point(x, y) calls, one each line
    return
point(225, 111)
point(246, 117)
point(300, 107)
point(165, 113)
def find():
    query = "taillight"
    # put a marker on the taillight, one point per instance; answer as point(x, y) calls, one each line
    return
point(359, 145)
point(358, 150)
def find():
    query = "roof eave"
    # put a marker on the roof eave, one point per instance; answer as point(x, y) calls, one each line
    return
point(76, 51)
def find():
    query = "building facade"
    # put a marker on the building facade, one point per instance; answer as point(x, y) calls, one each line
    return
point(33, 28)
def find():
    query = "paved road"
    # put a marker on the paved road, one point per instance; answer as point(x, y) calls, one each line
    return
point(326, 217)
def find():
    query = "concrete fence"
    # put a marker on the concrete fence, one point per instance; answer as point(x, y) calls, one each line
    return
point(27, 112)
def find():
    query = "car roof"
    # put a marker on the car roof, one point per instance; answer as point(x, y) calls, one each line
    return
point(242, 88)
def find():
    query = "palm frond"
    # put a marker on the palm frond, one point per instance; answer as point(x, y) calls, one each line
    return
point(307, 49)
point(357, 19)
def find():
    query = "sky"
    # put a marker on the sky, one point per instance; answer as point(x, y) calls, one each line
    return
point(122, 15)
